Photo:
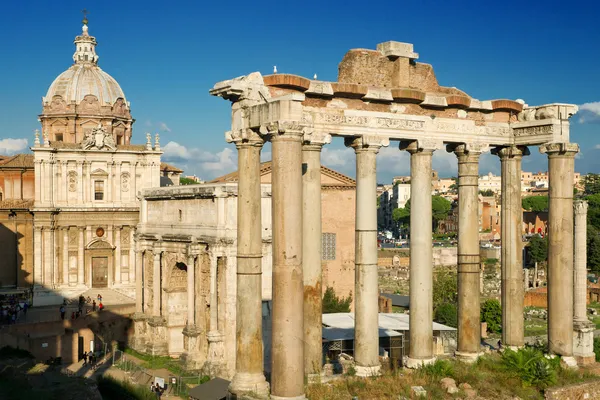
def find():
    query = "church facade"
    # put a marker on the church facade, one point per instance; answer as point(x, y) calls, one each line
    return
point(87, 174)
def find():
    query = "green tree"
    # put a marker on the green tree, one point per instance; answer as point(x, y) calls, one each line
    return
point(401, 215)
point(445, 288)
point(491, 313)
point(535, 203)
point(187, 181)
point(440, 207)
point(538, 249)
point(486, 192)
point(593, 248)
point(446, 314)
point(335, 304)
point(593, 216)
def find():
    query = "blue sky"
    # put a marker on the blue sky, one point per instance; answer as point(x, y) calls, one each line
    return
point(167, 55)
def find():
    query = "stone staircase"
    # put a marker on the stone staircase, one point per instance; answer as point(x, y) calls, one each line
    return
point(110, 297)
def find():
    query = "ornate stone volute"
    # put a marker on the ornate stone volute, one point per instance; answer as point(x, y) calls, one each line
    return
point(564, 149)
point(467, 148)
point(580, 207)
point(244, 137)
point(312, 138)
point(421, 145)
point(510, 151)
point(364, 142)
point(98, 139)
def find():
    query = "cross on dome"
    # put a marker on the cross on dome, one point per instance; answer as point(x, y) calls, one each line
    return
point(85, 45)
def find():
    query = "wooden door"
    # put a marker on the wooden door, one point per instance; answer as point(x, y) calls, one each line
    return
point(99, 272)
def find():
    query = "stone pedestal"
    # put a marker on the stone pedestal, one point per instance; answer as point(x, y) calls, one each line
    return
point(140, 328)
point(193, 357)
point(583, 343)
point(215, 360)
point(157, 344)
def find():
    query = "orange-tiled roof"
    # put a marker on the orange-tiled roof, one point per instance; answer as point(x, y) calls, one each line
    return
point(265, 168)
point(18, 161)
point(169, 168)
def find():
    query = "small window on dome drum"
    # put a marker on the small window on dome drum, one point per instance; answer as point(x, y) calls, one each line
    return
point(59, 137)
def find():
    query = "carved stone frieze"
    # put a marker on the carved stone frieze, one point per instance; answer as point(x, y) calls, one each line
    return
point(550, 111)
point(72, 177)
point(125, 178)
point(99, 139)
point(534, 130)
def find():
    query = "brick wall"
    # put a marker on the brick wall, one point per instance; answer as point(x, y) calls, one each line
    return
point(536, 299)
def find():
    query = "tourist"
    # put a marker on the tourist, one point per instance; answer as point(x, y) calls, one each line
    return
point(100, 306)
point(25, 307)
point(99, 297)
point(85, 358)
point(73, 315)
point(62, 312)
point(94, 305)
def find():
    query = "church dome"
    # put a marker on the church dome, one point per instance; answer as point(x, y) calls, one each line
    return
point(85, 77)
point(81, 80)
point(85, 97)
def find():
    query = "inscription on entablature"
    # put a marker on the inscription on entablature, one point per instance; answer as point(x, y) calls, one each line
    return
point(534, 130)
point(497, 130)
point(377, 122)
point(399, 123)
point(454, 127)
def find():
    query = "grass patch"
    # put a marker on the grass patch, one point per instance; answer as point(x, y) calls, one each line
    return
point(158, 362)
point(111, 388)
point(524, 374)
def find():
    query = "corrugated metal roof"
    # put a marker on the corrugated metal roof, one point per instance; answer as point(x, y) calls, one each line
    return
point(392, 321)
point(330, 334)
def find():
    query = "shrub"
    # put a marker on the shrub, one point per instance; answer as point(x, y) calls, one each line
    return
point(447, 314)
point(335, 304)
point(445, 288)
point(531, 366)
point(597, 348)
point(439, 369)
point(491, 312)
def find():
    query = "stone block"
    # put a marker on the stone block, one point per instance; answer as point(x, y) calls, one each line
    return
point(418, 391)
point(393, 50)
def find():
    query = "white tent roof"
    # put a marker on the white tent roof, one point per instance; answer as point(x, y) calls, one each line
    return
point(330, 334)
point(387, 321)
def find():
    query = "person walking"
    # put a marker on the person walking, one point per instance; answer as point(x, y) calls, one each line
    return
point(85, 356)
point(62, 312)
point(94, 305)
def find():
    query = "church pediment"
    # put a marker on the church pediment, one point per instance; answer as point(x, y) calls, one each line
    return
point(60, 121)
point(99, 172)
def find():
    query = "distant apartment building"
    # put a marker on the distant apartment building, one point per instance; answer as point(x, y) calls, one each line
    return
point(490, 182)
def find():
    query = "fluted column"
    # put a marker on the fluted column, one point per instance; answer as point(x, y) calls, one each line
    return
point(80, 261)
point(65, 255)
point(561, 164)
point(191, 268)
point(38, 276)
point(469, 325)
point(287, 346)
point(117, 242)
point(249, 376)
point(421, 256)
point(366, 305)
point(132, 260)
point(311, 251)
point(512, 245)
point(139, 283)
point(156, 283)
point(580, 208)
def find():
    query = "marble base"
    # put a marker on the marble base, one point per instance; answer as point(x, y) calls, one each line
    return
point(248, 386)
point(414, 363)
point(569, 362)
point(367, 371)
point(583, 342)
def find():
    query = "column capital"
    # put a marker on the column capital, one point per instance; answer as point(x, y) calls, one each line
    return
point(473, 149)
point(421, 145)
point(367, 142)
point(314, 140)
point(505, 152)
point(244, 138)
point(560, 149)
point(580, 207)
point(288, 129)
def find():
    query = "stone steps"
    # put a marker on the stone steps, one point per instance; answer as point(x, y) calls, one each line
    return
point(109, 296)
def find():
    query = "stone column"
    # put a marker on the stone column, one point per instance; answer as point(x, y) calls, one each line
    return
point(191, 293)
point(249, 377)
point(132, 263)
point(216, 351)
point(80, 261)
point(156, 283)
point(583, 332)
point(117, 242)
point(366, 305)
point(421, 257)
point(38, 276)
point(580, 208)
point(311, 251)
point(561, 164)
point(512, 245)
point(88, 239)
point(139, 283)
point(469, 324)
point(65, 256)
point(287, 346)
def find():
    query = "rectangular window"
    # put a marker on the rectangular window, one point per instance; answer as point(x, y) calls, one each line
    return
point(98, 190)
point(328, 246)
point(59, 137)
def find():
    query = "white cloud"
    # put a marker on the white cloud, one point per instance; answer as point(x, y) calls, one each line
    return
point(226, 162)
point(589, 112)
point(11, 146)
point(164, 127)
point(597, 146)
point(336, 157)
point(206, 164)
